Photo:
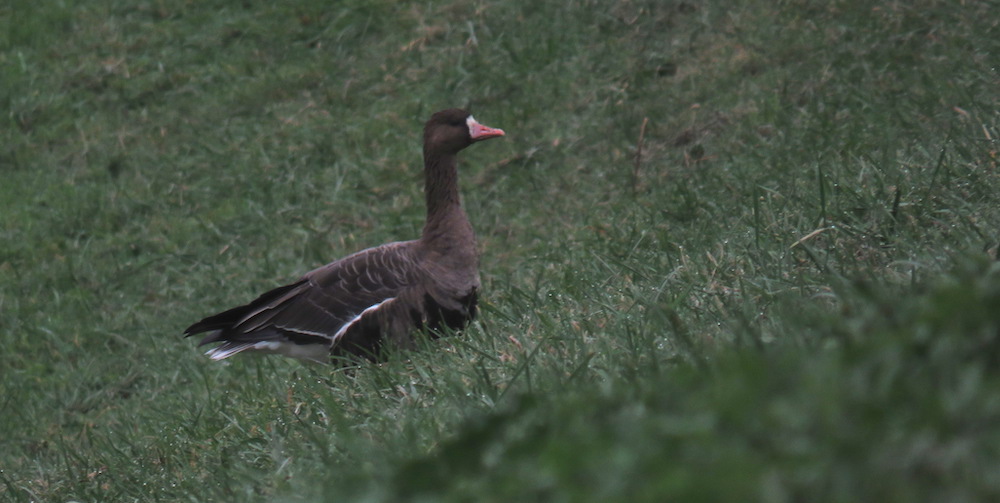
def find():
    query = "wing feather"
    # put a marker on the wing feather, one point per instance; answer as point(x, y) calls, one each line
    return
point(319, 308)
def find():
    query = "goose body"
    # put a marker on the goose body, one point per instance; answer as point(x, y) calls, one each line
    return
point(382, 295)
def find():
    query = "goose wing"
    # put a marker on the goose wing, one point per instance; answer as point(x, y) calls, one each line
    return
point(317, 310)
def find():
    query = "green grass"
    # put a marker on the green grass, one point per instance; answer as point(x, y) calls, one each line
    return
point(783, 287)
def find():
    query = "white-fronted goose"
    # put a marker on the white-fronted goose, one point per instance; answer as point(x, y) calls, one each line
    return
point(380, 295)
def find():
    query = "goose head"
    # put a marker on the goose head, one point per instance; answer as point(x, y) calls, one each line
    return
point(449, 131)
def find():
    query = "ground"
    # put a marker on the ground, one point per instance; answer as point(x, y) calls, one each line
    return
point(730, 251)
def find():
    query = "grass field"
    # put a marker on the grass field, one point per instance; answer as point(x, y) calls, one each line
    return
point(732, 251)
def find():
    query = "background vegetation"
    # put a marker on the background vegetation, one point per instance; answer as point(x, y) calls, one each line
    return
point(731, 250)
